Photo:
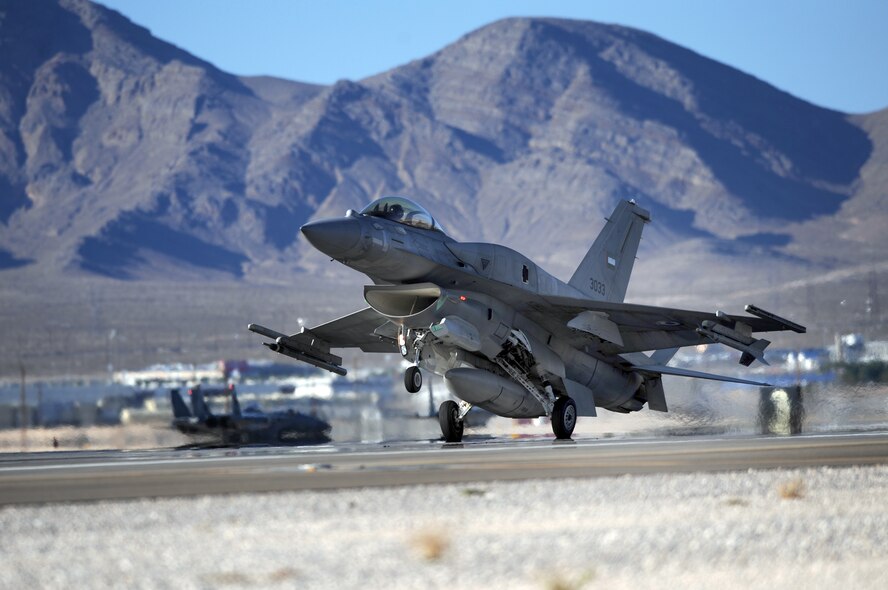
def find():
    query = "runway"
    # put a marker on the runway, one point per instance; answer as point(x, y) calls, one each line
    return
point(112, 475)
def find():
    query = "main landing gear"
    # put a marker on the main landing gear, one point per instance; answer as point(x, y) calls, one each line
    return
point(451, 420)
point(413, 379)
point(564, 417)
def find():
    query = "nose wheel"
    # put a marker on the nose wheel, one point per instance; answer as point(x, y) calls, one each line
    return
point(449, 417)
point(413, 379)
point(564, 417)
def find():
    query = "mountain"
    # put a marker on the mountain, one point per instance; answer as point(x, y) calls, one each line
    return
point(122, 156)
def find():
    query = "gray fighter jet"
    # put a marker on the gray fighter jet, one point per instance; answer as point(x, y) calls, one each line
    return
point(248, 426)
point(506, 335)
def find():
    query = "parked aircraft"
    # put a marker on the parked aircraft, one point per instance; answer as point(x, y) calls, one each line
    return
point(248, 426)
point(506, 335)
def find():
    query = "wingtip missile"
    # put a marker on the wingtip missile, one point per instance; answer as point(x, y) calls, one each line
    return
point(767, 315)
point(263, 331)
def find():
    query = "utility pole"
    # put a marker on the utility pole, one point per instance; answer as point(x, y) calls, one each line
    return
point(39, 420)
point(873, 308)
point(23, 408)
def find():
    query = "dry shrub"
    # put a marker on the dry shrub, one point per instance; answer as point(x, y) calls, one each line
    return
point(431, 545)
point(792, 489)
point(561, 582)
point(282, 575)
point(474, 492)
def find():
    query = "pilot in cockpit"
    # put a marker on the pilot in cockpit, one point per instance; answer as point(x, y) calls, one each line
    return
point(395, 212)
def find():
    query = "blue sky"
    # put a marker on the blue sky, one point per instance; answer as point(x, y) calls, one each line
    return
point(831, 53)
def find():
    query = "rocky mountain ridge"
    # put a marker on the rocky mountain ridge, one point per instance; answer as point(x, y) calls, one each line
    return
point(124, 156)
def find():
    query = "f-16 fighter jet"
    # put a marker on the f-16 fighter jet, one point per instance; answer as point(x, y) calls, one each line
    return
point(506, 335)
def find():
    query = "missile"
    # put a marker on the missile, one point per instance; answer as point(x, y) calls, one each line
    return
point(263, 331)
point(727, 332)
point(283, 349)
point(767, 315)
point(751, 348)
point(301, 347)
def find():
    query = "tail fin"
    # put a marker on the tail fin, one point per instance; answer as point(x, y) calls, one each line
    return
point(756, 351)
point(180, 410)
point(604, 272)
point(199, 404)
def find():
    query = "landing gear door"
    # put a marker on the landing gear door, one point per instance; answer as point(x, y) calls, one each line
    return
point(582, 396)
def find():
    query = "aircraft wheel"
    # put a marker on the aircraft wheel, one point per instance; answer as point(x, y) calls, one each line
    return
point(564, 417)
point(451, 425)
point(413, 379)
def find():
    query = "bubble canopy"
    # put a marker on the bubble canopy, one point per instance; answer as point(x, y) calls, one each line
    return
point(403, 211)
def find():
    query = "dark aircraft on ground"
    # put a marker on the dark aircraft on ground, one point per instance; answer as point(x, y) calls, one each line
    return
point(506, 335)
point(250, 426)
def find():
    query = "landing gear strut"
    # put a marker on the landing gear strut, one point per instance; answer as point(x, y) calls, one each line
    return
point(413, 379)
point(451, 422)
point(564, 417)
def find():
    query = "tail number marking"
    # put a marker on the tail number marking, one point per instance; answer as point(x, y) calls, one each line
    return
point(596, 286)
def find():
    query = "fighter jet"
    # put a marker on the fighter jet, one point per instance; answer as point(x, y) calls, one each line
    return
point(250, 426)
point(506, 335)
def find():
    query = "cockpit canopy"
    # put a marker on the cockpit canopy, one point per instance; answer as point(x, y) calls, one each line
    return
point(403, 211)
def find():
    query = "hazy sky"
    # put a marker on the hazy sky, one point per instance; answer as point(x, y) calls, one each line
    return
point(830, 52)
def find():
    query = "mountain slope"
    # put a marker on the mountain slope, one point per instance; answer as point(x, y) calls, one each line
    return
point(123, 156)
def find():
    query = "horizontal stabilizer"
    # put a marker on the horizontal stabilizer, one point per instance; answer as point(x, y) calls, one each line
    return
point(664, 370)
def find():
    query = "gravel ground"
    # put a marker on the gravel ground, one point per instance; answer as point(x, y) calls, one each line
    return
point(817, 528)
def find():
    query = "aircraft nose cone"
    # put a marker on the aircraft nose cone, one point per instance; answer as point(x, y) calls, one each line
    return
point(333, 237)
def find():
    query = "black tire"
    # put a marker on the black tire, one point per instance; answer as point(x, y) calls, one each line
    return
point(413, 379)
point(564, 417)
point(451, 425)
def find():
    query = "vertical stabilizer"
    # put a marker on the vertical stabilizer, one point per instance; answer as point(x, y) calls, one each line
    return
point(199, 404)
point(180, 410)
point(604, 272)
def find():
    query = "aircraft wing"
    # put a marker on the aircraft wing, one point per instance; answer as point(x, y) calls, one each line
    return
point(618, 328)
point(365, 329)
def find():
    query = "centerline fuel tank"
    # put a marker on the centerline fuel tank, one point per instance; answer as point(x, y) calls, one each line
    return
point(493, 393)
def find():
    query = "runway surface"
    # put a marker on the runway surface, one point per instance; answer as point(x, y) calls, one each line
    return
point(90, 476)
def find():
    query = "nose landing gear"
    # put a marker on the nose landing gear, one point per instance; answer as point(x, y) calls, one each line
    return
point(413, 379)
